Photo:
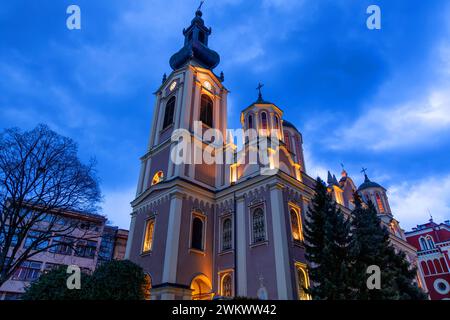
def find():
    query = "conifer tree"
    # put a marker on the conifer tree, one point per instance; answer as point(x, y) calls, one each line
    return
point(370, 245)
point(327, 243)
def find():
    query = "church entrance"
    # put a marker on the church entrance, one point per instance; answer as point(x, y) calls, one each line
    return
point(201, 288)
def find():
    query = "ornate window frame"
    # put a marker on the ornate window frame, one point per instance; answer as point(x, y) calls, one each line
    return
point(203, 218)
point(148, 220)
point(252, 209)
point(220, 277)
point(221, 233)
point(298, 211)
point(304, 268)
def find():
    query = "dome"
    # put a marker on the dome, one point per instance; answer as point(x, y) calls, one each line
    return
point(369, 184)
point(289, 125)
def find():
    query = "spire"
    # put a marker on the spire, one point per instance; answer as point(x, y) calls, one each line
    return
point(335, 182)
point(329, 178)
point(195, 47)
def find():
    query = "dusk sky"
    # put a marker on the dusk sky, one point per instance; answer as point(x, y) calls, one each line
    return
point(378, 99)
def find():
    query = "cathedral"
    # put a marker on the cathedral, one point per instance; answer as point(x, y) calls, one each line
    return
point(234, 228)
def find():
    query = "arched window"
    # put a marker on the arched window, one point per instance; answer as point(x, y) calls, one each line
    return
point(157, 178)
point(197, 234)
point(250, 122)
point(295, 225)
point(431, 267)
point(423, 244)
point(424, 268)
point(437, 266)
point(302, 284)
point(430, 242)
point(201, 288)
point(263, 120)
point(287, 140)
point(169, 112)
point(277, 122)
point(148, 237)
point(226, 285)
point(147, 286)
point(444, 265)
point(379, 203)
point(206, 110)
point(226, 234)
point(258, 226)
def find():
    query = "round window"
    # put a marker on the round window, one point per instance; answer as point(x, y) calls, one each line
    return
point(441, 286)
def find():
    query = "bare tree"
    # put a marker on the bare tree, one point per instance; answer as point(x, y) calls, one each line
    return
point(41, 179)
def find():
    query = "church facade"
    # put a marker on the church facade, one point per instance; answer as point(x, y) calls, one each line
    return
point(233, 228)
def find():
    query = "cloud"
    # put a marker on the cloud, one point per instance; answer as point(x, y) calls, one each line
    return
point(314, 168)
point(411, 202)
point(418, 121)
point(116, 205)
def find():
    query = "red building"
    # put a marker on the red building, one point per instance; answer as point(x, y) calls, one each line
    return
point(432, 241)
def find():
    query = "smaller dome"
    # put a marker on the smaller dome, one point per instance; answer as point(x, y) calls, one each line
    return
point(289, 125)
point(368, 184)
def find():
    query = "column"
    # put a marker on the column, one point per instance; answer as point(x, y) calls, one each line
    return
point(280, 239)
point(173, 238)
point(130, 236)
point(241, 250)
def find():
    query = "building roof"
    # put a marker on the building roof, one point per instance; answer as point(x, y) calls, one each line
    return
point(368, 184)
point(289, 125)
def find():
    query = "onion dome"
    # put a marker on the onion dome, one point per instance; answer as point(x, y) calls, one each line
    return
point(196, 46)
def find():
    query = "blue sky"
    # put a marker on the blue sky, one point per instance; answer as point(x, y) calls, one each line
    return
point(378, 99)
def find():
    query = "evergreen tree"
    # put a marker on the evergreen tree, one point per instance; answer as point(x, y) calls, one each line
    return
point(370, 245)
point(327, 243)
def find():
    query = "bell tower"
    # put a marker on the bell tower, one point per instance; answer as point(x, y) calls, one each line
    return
point(191, 100)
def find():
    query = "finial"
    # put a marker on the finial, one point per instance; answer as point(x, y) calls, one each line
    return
point(200, 7)
point(259, 91)
point(364, 170)
point(431, 217)
point(164, 78)
point(222, 77)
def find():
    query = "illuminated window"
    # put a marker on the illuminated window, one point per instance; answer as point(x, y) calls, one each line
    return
point(201, 288)
point(157, 178)
point(258, 226)
point(226, 234)
point(168, 113)
point(379, 203)
point(206, 110)
point(147, 286)
point(302, 282)
point(148, 237)
point(295, 225)
point(197, 234)
point(263, 120)
point(226, 285)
